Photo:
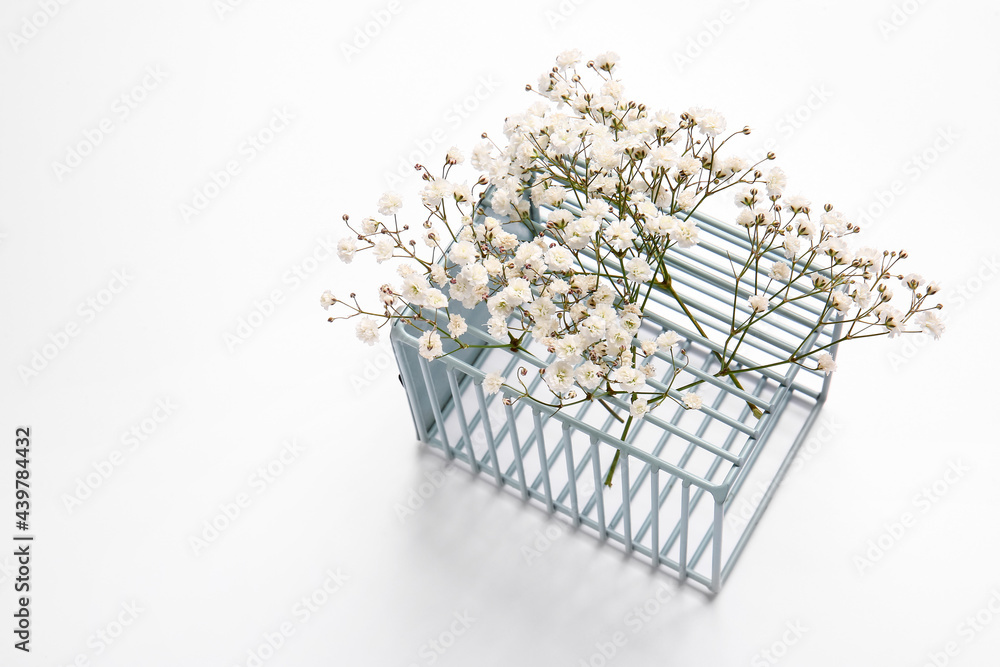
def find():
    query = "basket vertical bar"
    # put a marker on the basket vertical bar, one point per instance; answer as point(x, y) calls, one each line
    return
point(654, 514)
point(516, 444)
point(409, 386)
point(717, 546)
point(456, 398)
point(571, 472)
point(682, 559)
point(626, 505)
point(543, 460)
point(436, 409)
point(595, 460)
point(488, 430)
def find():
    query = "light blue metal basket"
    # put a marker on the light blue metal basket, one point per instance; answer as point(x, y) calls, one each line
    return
point(680, 470)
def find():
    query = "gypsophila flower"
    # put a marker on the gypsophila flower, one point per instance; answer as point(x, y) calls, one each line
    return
point(691, 401)
point(639, 408)
point(758, 303)
point(931, 323)
point(826, 363)
point(384, 250)
point(430, 345)
point(327, 299)
point(913, 281)
point(367, 330)
point(492, 383)
point(346, 248)
point(369, 226)
point(559, 377)
point(389, 203)
point(454, 155)
point(457, 325)
point(780, 271)
point(668, 340)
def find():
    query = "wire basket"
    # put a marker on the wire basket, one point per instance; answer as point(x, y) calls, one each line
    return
point(681, 471)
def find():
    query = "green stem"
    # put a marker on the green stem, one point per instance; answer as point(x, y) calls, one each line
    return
point(618, 453)
point(668, 284)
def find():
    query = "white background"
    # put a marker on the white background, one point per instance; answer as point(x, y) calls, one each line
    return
point(886, 109)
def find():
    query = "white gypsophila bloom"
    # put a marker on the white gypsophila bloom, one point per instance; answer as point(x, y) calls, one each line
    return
point(436, 191)
point(384, 249)
point(493, 266)
point(606, 61)
point(791, 244)
point(482, 156)
point(892, 320)
point(618, 339)
point(559, 377)
point(685, 234)
point(430, 345)
point(668, 340)
point(841, 301)
point(413, 289)
point(492, 383)
point(386, 296)
point(559, 258)
point(497, 327)
point(711, 122)
point(585, 282)
point(692, 401)
point(731, 165)
point(776, 182)
point(638, 269)
point(744, 197)
point(345, 249)
point(457, 326)
point(542, 308)
point(797, 203)
point(867, 256)
point(613, 89)
point(431, 237)
point(569, 348)
point(913, 281)
point(389, 203)
point(454, 155)
point(664, 120)
point(834, 223)
point(557, 286)
point(619, 235)
point(663, 157)
point(476, 274)
point(929, 322)
point(862, 296)
point(631, 322)
point(500, 305)
point(826, 363)
point(629, 378)
point(367, 330)
point(747, 217)
point(588, 375)
point(596, 208)
point(689, 165)
point(568, 58)
point(780, 271)
point(327, 299)
point(369, 226)
point(438, 274)
point(462, 192)
point(758, 303)
point(404, 270)
point(639, 408)
point(648, 347)
point(820, 281)
point(463, 253)
point(435, 298)
point(806, 227)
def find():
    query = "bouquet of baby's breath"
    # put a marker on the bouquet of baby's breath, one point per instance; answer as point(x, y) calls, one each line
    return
point(620, 183)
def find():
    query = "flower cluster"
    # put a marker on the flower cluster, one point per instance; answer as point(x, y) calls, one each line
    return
point(566, 232)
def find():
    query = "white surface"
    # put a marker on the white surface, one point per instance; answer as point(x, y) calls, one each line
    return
point(878, 99)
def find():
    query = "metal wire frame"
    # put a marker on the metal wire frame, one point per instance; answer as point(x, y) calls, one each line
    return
point(655, 512)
